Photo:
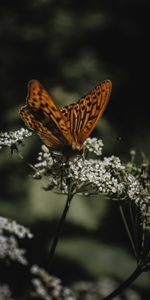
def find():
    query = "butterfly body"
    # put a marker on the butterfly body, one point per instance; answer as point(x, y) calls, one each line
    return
point(64, 128)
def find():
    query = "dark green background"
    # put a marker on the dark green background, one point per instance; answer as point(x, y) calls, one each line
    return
point(70, 46)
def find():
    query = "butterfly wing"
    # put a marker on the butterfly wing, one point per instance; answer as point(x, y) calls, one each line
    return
point(43, 116)
point(82, 117)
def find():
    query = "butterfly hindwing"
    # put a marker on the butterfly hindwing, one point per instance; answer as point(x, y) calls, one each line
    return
point(71, 116)
point(51, 138)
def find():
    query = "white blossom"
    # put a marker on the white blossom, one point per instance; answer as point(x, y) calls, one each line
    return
point(84, 175)
point(49, 287)
point(9, 247)
point(46, 162)
point(93, 145)
point(40, 289)
point(12, 138)
point(96, 175)
point(139, 195)
point(13, 227)
point(5, 293)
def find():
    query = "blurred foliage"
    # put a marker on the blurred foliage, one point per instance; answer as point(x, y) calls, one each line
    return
point(70, 46)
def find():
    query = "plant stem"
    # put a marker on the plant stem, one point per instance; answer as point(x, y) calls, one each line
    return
point(59, 228)
point(125, 284)
point(127, 229)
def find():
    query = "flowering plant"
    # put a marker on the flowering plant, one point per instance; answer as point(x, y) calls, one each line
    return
point(90, 174)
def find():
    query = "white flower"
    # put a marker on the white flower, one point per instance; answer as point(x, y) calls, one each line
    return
point(9, 247)
point(141, 198)
point(49, 287)
point(40, 289)
point(5, 293)
point(90, 174)
point(13, 227)
point(45, 163)
point(13, 138)
point(96, 175)
point(80, 174)
point(94, 145)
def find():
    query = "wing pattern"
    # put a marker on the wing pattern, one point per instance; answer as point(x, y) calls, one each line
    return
point(68, 126)
point(43, 116)
point(82, 117)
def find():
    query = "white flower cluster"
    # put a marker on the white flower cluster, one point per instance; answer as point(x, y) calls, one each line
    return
point(5, 293)
point(49, 287)
point(45, 163)
point(13, 137)
point(94, 146)
point(79, 174)
point(133, 188)
point(141, 197)
point(9, 248)
point(40, 289)
point(8, 243)
point(95, 175)
point(12, 227)
point(87, 174)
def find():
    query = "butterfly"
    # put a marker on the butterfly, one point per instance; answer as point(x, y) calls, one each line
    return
point(64, 128)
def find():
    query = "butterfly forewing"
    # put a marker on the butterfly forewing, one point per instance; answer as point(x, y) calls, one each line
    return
point(43, 116)
point(82, 117)
point(92, 107)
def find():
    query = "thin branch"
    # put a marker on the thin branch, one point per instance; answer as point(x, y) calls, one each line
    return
point(125, 284)
point(59, 229)
point(127, 229)
point(135, 228)
point(145, 248)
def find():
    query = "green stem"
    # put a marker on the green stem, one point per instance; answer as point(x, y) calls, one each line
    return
point(127, 229)
point(125, 284)
point(59, 228)
point(135, 229)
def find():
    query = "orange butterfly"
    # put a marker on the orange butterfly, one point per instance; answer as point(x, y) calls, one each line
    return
point(64, 128)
